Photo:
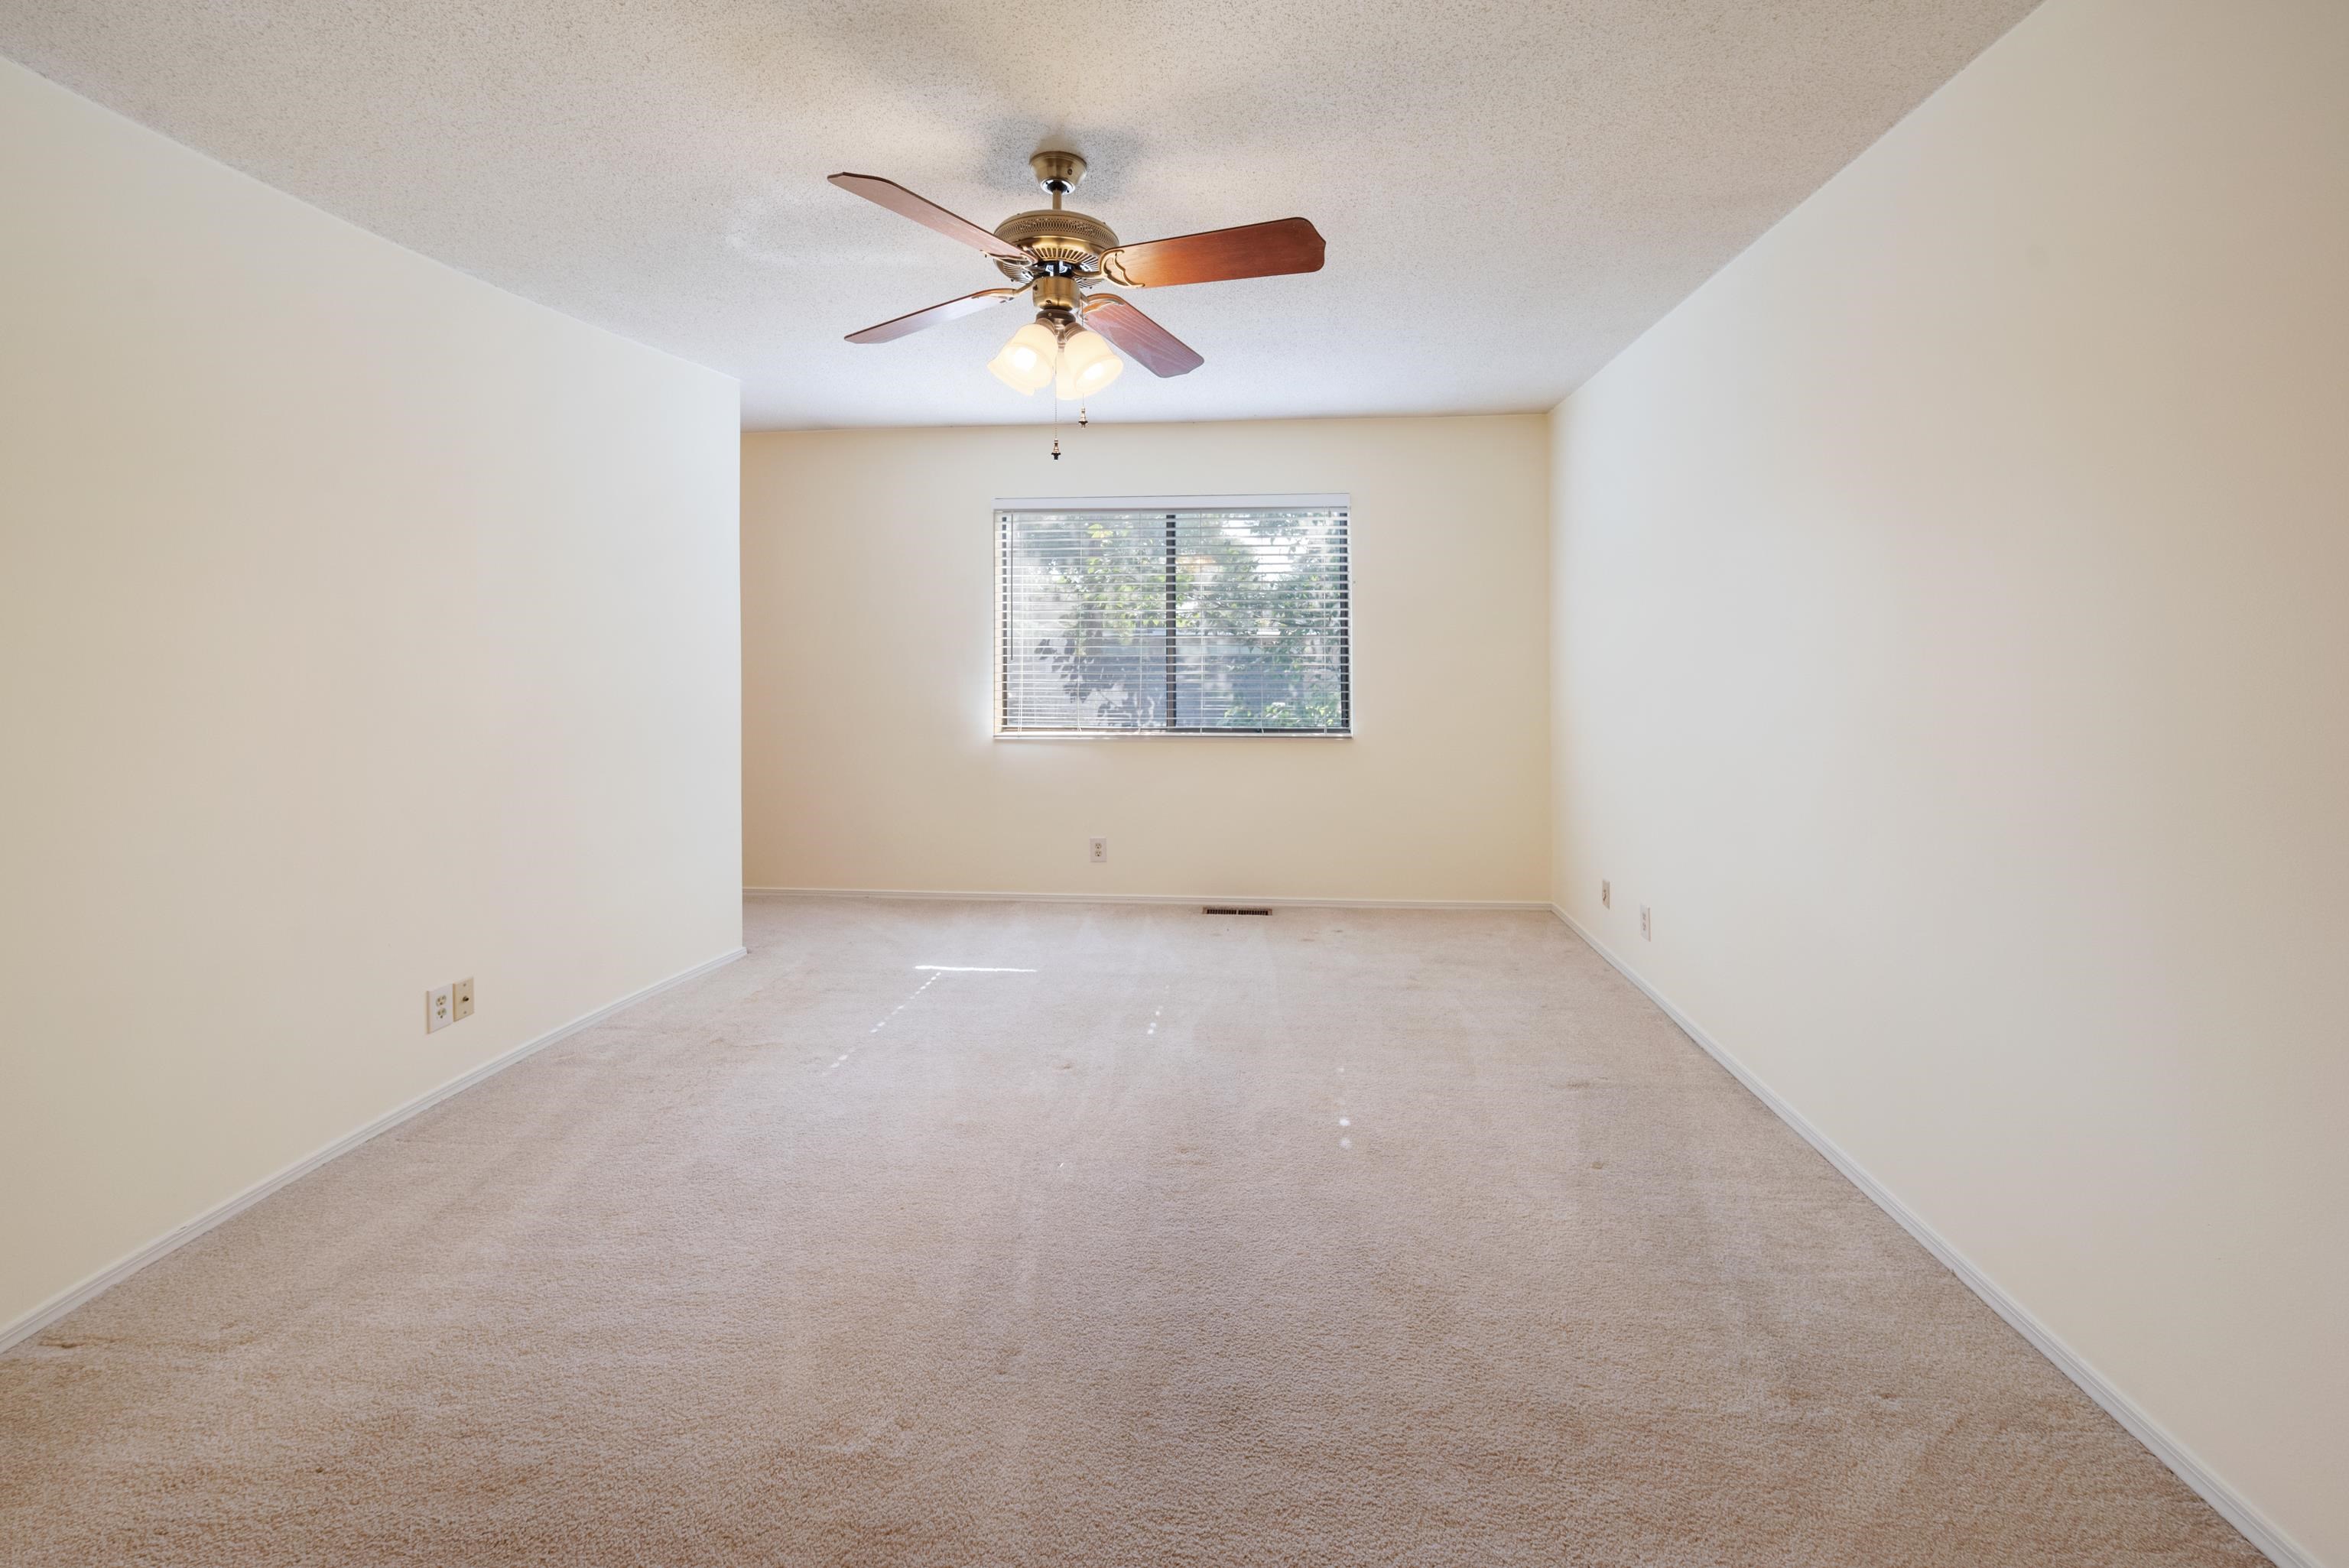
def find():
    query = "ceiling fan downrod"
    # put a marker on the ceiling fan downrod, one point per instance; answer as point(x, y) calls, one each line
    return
point(1058, 173)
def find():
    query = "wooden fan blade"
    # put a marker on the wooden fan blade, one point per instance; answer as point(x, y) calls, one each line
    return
point(1252, 250)
point(929, 214)
point(953, 309)
point(1160, 350)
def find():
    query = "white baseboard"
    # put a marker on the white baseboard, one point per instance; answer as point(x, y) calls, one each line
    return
point(2255, 1526)
point(1251, 898)
point(106, 1279)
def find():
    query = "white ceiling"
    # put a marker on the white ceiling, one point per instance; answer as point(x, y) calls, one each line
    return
point(1512, 191)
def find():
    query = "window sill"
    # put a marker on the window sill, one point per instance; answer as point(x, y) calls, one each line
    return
point(1171, 735)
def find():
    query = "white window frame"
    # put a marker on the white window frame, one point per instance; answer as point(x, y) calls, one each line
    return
point(1326, 501)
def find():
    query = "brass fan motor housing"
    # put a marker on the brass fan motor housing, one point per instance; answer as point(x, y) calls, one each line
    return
point(1073, 239)
point(1055, 258)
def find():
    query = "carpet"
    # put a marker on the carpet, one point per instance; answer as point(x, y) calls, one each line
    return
point(986, 1234)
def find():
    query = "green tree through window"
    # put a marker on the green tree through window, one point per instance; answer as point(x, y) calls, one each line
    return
point(1197, 621)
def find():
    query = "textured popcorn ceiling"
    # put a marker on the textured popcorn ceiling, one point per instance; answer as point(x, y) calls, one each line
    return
point(1512, 191)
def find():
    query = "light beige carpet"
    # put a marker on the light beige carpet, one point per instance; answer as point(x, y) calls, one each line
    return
point(1143, 1237)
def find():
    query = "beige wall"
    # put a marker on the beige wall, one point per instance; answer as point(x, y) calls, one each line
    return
point(1951, 650)
point(361, 628)
point(867, 585)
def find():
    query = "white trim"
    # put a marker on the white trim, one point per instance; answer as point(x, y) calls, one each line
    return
point(2256, 1527)
point(1221, 898)
point(106, 1279)
point(1167, 502)
point(1177, 735)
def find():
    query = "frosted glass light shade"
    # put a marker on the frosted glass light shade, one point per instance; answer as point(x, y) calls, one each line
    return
point(1088, 364)
point(1026, 361)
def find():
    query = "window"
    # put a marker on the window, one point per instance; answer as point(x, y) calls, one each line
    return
point(1190, 619)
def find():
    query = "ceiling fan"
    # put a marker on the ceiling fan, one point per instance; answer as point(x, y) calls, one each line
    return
point(1064, 257)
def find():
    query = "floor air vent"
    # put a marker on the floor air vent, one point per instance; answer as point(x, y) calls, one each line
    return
point(1230, 908)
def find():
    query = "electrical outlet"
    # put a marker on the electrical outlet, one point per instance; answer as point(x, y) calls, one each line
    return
point(1646, 925)
point(1606, 894)
point(1100, 850)
point(460, 999)
point(438, 1009)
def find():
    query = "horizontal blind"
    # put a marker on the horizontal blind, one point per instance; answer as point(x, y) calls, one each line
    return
point(1210, 620)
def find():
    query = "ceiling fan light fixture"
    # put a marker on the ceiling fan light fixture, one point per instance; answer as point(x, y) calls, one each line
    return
point(1088, 364)
point(1026, 361)
point(1060, 257)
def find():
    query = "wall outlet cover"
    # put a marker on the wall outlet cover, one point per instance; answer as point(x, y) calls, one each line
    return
point(1100, 847)
point(461, 998)
point(438, 1009)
